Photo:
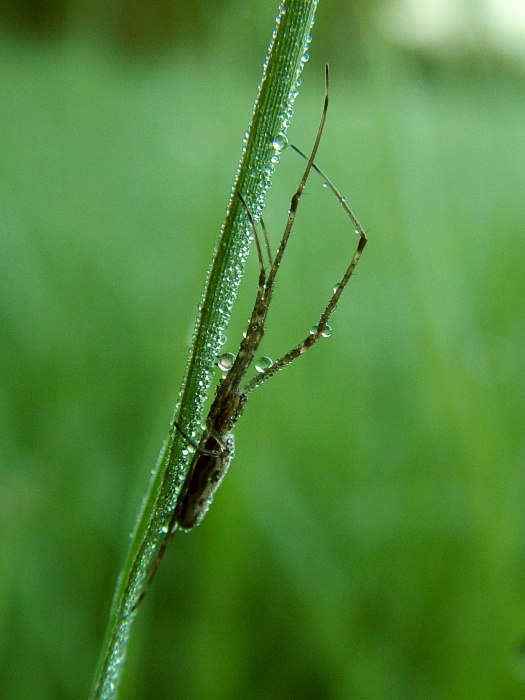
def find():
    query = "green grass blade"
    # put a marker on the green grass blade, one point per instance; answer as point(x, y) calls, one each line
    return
point(270, 119)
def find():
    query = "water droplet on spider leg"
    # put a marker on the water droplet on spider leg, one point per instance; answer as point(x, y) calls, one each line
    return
point(263, 363)
point(280, 142)
point(225, 361)
point(325, 334)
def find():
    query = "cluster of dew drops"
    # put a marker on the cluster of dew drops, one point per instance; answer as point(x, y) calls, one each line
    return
point(226, 359)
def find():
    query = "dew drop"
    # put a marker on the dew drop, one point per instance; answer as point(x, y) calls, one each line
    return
point(263, 363)
point(327, 331)
point(313, 330)
point(225, 361)
point(280, 142)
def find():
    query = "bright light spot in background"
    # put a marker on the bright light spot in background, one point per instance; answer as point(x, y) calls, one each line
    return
point(452, 26)
point(507, 21)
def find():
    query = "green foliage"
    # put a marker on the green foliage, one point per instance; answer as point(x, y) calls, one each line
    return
point(368, 541)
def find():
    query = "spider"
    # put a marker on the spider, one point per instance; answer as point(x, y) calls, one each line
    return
point(215, 449)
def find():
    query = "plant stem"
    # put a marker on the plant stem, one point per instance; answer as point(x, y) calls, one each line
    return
point(270, 119)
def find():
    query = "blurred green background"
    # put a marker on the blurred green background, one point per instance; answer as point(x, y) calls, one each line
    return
point(369, 541)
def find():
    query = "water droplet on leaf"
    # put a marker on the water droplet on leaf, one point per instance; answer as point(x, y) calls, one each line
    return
point(280, 142)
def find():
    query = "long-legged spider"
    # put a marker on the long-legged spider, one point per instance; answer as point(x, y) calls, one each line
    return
point(215, 449)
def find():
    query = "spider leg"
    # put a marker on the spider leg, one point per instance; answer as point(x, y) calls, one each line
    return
point(256, 236)
point(266, 241)
point(294, 204)
point(171, 530)
point(319, 330)
point(198, 448)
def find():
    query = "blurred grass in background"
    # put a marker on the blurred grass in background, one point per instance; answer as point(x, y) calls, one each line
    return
point(369, 539)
